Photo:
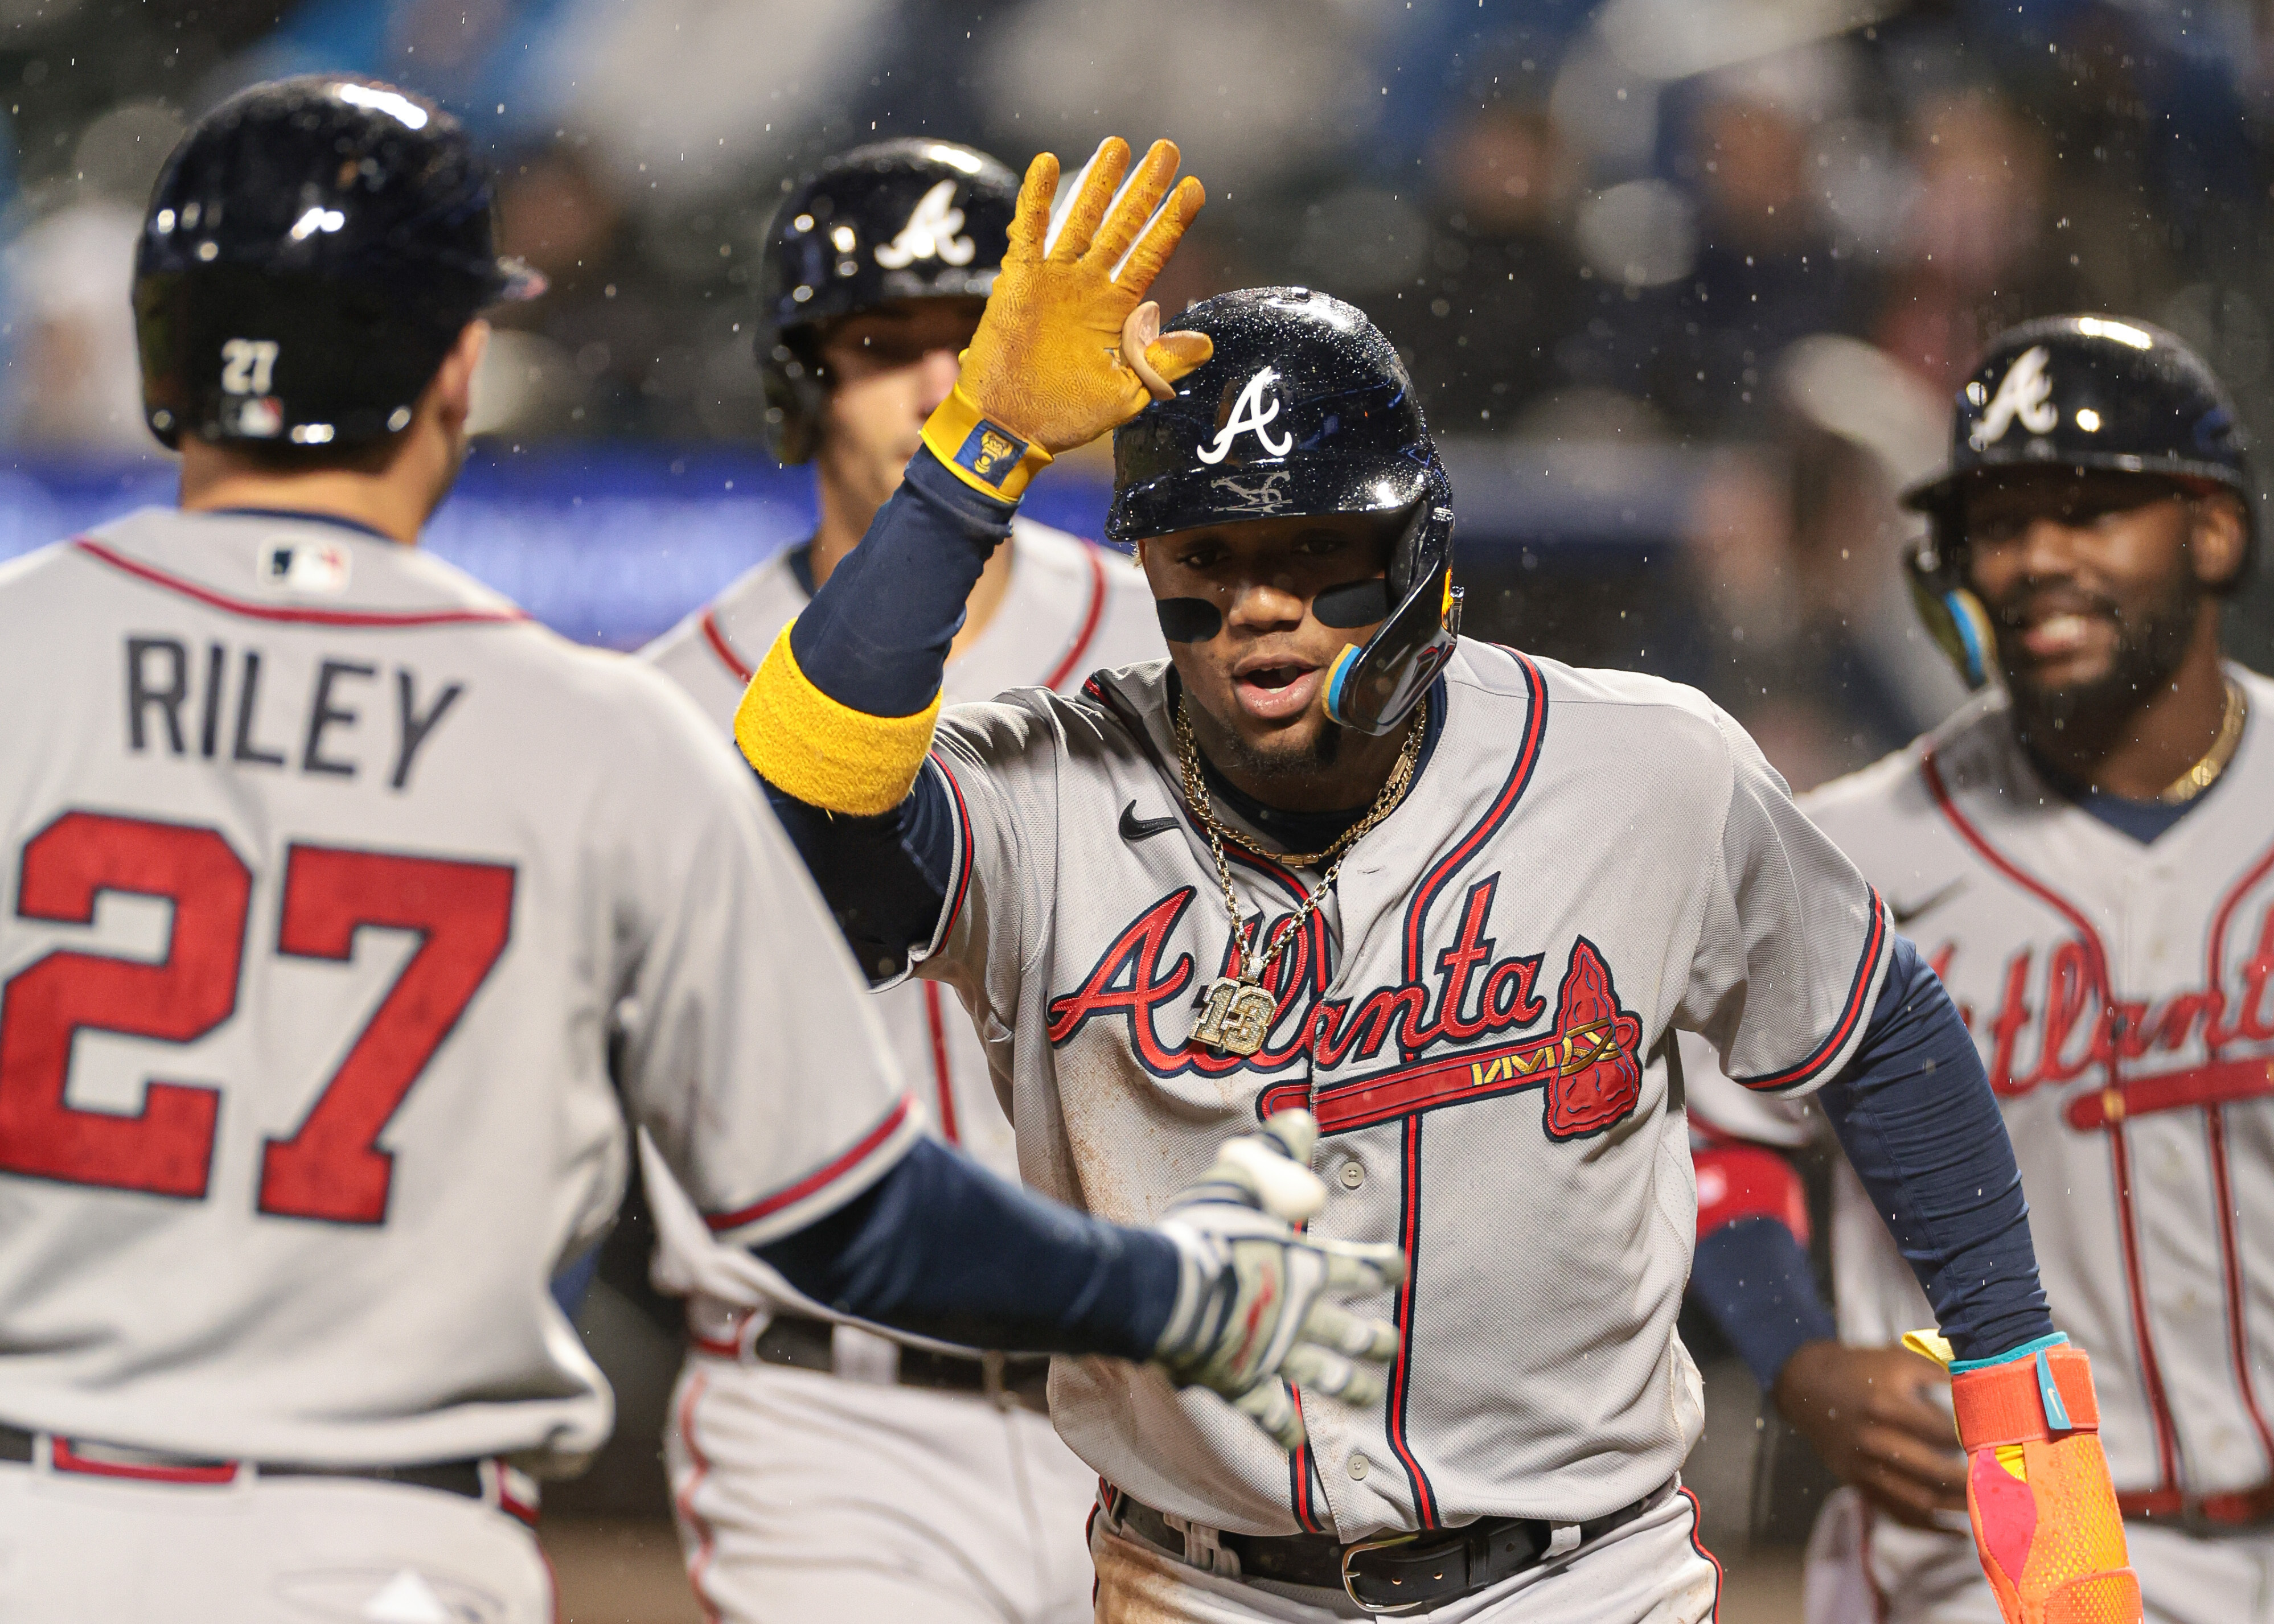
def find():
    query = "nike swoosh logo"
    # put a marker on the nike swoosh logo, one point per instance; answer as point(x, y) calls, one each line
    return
point(1135, 828)
point(1904, 915)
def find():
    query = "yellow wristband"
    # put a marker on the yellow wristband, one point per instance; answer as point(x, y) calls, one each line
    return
point(981, 452)
point(827, 754)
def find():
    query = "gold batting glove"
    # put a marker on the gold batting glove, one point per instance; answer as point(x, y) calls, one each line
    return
point(1069, 349)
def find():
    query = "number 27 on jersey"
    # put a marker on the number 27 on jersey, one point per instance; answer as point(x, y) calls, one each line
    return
point(327, 1167)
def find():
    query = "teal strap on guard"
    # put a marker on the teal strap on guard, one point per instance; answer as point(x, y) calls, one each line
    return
point(2057, 1340)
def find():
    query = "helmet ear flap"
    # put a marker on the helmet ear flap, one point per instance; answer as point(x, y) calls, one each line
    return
point(796, 394)
point(1955, 617)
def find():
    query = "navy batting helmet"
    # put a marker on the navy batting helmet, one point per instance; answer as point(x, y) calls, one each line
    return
point(2104, 392)
point(899, 220)
point(312, 250)
point(1304, 410)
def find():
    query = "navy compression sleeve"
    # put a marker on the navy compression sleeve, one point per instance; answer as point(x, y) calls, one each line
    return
point(941, 1247)
point(1914, 1114)
point(1752, 1278)
point(884, 878)
point(876, 636)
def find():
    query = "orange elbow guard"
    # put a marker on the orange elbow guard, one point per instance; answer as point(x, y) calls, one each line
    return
point(2045, 1522)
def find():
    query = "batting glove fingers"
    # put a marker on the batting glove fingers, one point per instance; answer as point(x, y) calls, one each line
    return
point(1046, 362)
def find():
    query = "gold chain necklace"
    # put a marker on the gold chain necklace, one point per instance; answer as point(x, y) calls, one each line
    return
point(2205, 773)
point(1237, 1012)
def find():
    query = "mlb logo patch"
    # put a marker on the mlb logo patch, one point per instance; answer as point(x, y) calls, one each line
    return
point(306, 566)
point(990, 452)
point(260, 417)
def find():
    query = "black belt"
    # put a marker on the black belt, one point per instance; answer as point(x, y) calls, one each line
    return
point(1389, 1575)
point(79, 1455)
point(1023, 1380)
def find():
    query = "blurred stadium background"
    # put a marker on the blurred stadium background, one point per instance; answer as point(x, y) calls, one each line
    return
point(1685, 283)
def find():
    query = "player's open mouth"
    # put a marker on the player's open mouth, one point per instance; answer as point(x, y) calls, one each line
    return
point(2056, 635)
point(1274, 692)
point(2060, 630)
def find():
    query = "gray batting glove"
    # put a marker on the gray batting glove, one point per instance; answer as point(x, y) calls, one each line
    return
point(1260, 1306)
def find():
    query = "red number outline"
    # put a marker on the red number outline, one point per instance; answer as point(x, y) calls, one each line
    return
point(165, 1148)
point(331, 1167)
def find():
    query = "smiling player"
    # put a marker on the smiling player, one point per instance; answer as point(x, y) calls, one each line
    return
point(2087, 850)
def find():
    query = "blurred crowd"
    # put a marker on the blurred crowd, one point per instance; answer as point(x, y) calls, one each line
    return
point(1744, 247)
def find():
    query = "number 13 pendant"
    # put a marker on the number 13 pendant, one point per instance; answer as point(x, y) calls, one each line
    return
point(1236, 1017)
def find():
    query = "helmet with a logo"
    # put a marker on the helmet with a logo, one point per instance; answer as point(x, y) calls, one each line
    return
point(2104, 392)
point(897, 219)
point(1304, 410)
point(312, 250)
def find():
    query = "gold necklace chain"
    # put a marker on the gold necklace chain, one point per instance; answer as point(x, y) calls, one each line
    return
point(1196, 792)
point(2205, 773)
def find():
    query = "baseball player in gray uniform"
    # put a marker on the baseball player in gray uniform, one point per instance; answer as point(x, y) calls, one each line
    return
point(2087, 856)
point(818, 1469)
point(343, 906)
point(1452, 899)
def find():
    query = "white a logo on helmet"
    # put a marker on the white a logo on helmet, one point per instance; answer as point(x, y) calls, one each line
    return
point(930, 233)
point(2025, 392)
point(1250, 415)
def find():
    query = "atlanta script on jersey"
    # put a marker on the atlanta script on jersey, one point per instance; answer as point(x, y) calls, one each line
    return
point(1480, 1015)
point(341, 904)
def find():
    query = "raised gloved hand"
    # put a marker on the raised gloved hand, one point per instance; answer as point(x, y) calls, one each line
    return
point(2045, 1520)
point(1259, 1305)
point(1067, 348)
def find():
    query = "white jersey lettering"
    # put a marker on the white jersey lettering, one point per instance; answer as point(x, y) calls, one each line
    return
point(345, 924)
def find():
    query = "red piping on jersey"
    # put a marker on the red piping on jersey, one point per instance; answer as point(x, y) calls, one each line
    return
point(2120, 1159)
point(2230, 1276)
point(63, 1458)
point(1401, 1375)
point(493, 1472)
point(941, 1079)
point(963, 832)
point(699, 1563)
point(1298, 1474)
point(720, 647)
point(1519, 776)
point(818, 1180)
point(309, 617)
point(2215, 1035)
point(1859, 999)
point(1697, 1544)
point(1066, 667)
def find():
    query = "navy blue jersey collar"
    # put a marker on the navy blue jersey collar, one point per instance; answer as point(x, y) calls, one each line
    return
point(301, 515)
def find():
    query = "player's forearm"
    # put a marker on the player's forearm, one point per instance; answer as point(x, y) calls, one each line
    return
point(942, 1248)
point(1752, 1278)
point(1916, 1115)
point(840, 711)
point(885, 878)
